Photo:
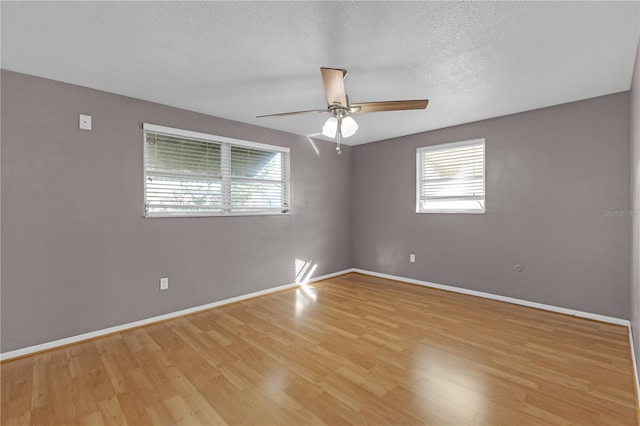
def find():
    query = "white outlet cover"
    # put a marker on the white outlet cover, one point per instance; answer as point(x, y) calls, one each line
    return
point(164, 283)
point(85, 122)
point(412, 258)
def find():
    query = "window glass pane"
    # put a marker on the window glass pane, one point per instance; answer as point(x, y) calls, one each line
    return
point(176, 154)
point(180, 194)
point(451, 163)
point(256, 194)
point(451, 177)
point(255, 163)
point(192, 173)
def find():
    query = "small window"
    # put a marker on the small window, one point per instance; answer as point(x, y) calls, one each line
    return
point(196, 174)
point(450, 178)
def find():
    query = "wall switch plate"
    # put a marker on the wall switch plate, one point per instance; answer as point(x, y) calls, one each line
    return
point(85, 122)
point(164, 283)
point(412, 258)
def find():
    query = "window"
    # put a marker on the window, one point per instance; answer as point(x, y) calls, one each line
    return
point(196, 174)
point(450, 178)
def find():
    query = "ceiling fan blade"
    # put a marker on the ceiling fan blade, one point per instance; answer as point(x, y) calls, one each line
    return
point(389, 105)
point(333, 79)
point(283, 114)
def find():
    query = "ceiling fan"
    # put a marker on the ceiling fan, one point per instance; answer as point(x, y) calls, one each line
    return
point(341, 124)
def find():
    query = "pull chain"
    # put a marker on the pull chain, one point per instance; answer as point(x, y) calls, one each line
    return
point(339, 134)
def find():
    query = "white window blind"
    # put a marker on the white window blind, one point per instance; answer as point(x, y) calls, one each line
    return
point(196, 174)
point(450, 178)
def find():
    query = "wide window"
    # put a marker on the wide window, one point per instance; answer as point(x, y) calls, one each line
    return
point(196, 174)
point(450, 178)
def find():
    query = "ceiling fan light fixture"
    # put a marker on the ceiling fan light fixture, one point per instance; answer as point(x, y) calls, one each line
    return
point(349, 127)
point(330, 127)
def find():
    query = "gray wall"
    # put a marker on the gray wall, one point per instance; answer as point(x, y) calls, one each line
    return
point(77, 255)
point(635, 203)
point(551, 174)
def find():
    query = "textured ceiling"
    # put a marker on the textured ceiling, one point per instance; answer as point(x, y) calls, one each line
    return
point(472, 60)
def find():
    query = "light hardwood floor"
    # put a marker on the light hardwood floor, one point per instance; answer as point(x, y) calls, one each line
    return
point(350, 350)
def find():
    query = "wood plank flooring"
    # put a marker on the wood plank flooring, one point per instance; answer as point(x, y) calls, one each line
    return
point(350, 350)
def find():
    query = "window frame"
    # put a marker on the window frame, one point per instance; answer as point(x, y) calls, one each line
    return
point(449, 145)
point(206, 137)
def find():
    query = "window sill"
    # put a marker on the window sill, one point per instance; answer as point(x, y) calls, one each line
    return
point(169, 216)
point(453, 211)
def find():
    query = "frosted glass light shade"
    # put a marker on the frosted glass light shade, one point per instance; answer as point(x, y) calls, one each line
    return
point(330, 127)
point(348, 128)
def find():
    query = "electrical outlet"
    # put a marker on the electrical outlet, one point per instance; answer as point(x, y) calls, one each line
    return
point(85, 122)
point(164, 283)
point(412, 258)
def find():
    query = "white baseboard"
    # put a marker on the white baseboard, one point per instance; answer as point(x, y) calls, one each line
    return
point(634, 364)
point(93, 334)
point(543, 306)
